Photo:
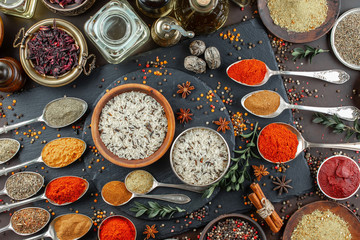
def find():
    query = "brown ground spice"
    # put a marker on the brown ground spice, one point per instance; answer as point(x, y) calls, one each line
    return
point(115, 193)
point(263, 102)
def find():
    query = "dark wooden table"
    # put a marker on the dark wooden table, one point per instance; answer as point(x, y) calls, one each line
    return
point(320, 94)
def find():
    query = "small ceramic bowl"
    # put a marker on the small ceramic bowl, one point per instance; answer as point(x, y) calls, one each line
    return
point(65, 78)
point(69, 10)
point(136, 163)
point(332, 158)
point(242, 217)
point(117, 216)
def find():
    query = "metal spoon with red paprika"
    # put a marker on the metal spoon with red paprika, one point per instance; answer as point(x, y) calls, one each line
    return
point(60, 191)
point(255, 73)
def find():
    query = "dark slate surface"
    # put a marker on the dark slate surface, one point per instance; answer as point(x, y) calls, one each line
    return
point(32, 101)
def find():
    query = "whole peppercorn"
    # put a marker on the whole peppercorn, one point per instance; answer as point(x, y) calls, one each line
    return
point(197, 47)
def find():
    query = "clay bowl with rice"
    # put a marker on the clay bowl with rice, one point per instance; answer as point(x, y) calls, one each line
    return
point(133, 125)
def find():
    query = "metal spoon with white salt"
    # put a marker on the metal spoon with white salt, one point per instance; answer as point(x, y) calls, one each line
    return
point(349, 113)
point(5, 145)
point(42, 118)
point(335, 76)
point(158, 184)
point(8, 207)
point(38, 160)
point(305, 144)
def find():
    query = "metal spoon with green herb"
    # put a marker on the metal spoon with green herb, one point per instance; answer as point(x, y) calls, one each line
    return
point(349, 113)
point(58, 113)
point(8, 149)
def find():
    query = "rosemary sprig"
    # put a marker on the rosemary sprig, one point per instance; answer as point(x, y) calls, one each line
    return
point(307, 52)
point(238, 172)
point(154, 209)
point(338, 126)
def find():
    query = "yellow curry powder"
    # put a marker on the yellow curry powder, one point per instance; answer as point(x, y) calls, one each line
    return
point(63, 151)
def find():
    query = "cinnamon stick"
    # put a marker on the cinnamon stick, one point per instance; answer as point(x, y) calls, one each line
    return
point(257, 203)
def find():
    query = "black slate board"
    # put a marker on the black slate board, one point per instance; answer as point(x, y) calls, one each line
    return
point(32, 101)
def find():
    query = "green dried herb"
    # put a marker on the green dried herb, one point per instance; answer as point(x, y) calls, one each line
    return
point(338, 126)
point(309, 52)
point(238, 172)
point(154, 209)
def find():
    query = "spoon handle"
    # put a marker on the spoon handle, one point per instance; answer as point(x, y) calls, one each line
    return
point(183, 186)
point(4, 170)
point(5, 129)
point(347, 146)
point(335, 76)
point(6, 228)
point(349, 113)
point(174, 198)
point(40, 236)
point(8, 207)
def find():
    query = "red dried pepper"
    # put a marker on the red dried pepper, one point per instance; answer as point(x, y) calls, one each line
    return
point(277, 143)
point(249, 71)
point(65, 189)
point(117, 228)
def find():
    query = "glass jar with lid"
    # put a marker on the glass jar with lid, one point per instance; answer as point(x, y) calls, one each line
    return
point(18, 8)
point(117, 31)
point(201, 16)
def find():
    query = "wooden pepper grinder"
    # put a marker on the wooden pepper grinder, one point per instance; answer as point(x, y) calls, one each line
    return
point(12, 77)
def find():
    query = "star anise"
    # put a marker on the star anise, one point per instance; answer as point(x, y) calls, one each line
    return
point(184, 115)
point(185, 89)
point(282, 185)
point(260, 171)
point(150, 231)
point(223, 125)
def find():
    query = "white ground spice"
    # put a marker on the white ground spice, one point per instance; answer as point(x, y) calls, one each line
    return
point(200, 156)
point(321, 225)
point(298, 15)
point(133, 125)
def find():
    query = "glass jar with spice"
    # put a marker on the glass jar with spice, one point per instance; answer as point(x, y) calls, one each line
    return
point(12, 77)
point(19, 8)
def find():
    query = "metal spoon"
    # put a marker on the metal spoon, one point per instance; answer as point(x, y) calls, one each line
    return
point(18, 148)
point(5, 192)
point(335, 76)
point(5, 129)
point(50, 233)
point(174, 198)
point(10, 227)
point(158, 184)
point(305, 144)
point(37, 160)
point(349, 113)
point(8, 207)
point(241, 3)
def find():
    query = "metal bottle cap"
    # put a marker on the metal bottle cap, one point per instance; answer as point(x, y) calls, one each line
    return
point(203, 6)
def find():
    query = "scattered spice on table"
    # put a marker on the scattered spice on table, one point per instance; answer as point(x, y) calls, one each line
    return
point(185, 89)
point(63, 112)
point(248, 71)
point(321, 225)
point(72, 226)
point(115, 193)
point(53, 51)
point(184, 115)
point(65, 189)
point(29, 220)
point(150, 231)
point(260, 171)
point(8, 149)
point(223, 125)
point(64, 3)
point(277, 143)
point(263, 102)
point(339, 177)
point(62, 152)
point(23, 185)
point(117, 228)
point(232, 228)
point(298, 15)
point(347, 38)
point(282, 185)
point(139, 181)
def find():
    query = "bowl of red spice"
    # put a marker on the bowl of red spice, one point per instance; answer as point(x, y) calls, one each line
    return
point(53, 52)
point(117, 227)
point(68, 7)
point(338, 177)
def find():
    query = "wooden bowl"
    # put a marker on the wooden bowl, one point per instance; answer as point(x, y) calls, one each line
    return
point(334, 207)
point(261, 232)
point(299, 37)
point(136, 163)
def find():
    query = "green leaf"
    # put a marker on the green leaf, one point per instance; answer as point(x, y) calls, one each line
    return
point(349, 134)
point(237, 187)
point(299, 50)
point(154, 213)
point(140, 213)
point(309, 48)
point(228, 188)
point(307, 52)
point(317, 120)
point(250, 144)
point(239, 151)
point(233, 179)
point(235, 167)
point(241, 179)
point(246, 135)
point(153, 205)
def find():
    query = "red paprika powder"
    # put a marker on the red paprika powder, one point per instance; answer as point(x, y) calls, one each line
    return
point(277, 143)
point(339, 177)
point(65, 189)
point(117, 228)
point(249, 71)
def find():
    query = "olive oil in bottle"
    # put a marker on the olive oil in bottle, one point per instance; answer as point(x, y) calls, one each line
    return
point(155, 8)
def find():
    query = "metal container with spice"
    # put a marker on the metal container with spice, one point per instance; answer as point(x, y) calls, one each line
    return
point(117, 227)
point(68, 8)
point(56, 74)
